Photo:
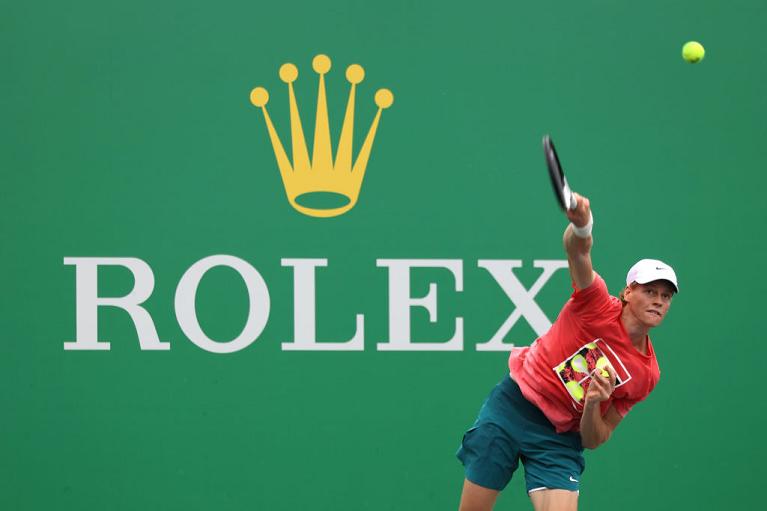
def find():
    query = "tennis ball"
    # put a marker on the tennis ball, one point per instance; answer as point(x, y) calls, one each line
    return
point(602, 362)
point(693, 52)
point(579, 364)
point(575, 390)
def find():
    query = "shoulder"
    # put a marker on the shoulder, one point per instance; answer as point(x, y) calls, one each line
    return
point(597, 284)
point(595, 291)
point(594, 303)
point(654, 366)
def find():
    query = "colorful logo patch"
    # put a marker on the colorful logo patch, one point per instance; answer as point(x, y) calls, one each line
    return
point(576, 372)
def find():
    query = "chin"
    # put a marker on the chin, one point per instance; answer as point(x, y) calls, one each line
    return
point(653, 321)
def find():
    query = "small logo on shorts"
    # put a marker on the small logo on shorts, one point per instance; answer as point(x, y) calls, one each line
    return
point(573, 480)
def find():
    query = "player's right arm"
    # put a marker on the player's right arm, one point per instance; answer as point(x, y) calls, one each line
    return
point(596, 428)
point(579, 249)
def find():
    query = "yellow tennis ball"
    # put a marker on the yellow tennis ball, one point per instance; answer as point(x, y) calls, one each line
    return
point(575, 390)
point(579, 364)
point(693, 52)
point(601, 364)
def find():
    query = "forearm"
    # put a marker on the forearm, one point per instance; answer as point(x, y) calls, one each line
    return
point(594, 429)
point(575, 246)
point(579, 258)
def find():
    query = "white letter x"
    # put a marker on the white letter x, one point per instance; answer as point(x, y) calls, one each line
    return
point(503, 272)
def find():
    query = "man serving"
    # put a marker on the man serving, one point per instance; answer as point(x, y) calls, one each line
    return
point(572, 387)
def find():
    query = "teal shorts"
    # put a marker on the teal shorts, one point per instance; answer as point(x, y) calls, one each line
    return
point(510, 429)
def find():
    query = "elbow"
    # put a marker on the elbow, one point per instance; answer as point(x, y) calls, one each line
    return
point(589, 442)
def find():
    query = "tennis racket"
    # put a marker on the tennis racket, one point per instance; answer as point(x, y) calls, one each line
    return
point(562, 190)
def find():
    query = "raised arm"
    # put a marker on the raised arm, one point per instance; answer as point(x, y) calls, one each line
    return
point(579, 248)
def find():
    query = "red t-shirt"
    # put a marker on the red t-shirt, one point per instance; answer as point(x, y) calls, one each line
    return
point(554, 372)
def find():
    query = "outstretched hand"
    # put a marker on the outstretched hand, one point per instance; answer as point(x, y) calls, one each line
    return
point(580, 215)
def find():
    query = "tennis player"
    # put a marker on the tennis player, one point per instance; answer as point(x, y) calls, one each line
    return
point(572, 387)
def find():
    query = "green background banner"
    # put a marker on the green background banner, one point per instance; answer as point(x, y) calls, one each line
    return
point(127, 132)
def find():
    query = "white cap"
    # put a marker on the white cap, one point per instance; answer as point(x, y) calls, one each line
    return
point(648, 270)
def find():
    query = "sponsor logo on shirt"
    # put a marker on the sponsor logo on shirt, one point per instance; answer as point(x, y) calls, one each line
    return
point(576, 371)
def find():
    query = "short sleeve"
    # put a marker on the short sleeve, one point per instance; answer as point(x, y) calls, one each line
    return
point(593, 301)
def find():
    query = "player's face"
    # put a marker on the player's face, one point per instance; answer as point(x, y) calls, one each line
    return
point(649, 302)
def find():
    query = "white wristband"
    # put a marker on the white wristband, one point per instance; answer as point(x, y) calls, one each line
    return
point(585, 231)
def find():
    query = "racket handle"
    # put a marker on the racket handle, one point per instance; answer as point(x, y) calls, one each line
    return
point(573, 201)
point(568, 194)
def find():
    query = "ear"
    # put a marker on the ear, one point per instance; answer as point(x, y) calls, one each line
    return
point(627, 291)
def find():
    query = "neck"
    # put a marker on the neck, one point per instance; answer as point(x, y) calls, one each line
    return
point(637, 331)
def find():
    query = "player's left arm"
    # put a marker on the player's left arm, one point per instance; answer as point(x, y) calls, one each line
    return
point(595, 427)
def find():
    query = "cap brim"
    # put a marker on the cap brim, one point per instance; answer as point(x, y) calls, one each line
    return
point(654, 278)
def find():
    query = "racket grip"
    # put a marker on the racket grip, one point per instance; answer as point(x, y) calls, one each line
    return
point(573, 201)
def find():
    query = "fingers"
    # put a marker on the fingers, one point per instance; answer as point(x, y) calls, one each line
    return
point(607, 383)
point(580, 215)
point(583, 203)
point(603, 386)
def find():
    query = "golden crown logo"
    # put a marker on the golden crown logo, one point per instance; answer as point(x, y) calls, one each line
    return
point(322, 175)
